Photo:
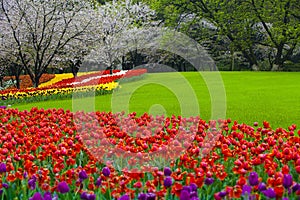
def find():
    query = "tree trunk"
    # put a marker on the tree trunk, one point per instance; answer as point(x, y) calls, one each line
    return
point(35, 81)
point(18, 82)
point(278, 62)
point(16, 70)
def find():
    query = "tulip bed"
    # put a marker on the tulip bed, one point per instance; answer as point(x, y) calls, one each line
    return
point(25, 81)
point(98, 83)
point(56, 154)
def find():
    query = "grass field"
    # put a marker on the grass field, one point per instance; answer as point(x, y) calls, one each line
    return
point(250, 97)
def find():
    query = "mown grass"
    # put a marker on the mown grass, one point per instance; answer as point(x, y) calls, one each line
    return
point(250, 97)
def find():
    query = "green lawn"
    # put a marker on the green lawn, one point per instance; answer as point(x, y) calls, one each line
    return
point(250, 97)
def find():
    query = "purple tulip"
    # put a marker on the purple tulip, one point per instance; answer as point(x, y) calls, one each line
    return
point(142, 196)
point(285, 198)
point(98, 181)
point(252, 197)
point(187, 188)
point(193, 194)
point(262, 187)
point(168, 182)
point(184, 195)
point(193, 187)
point(2, 167)
point(36, 196)
point(3, 107)
point(91, 197)
point(83, 175)
point(167, 171)
point(33, 177)
point(253, 179)
point(84, 196)
point(106, 171)
point(222, 194)
point(124, 197)
point(287, 181)
point(32, 183)
point(296, 187)
point(63, 187)
point(270, 193)
point(47, 196)
point(5, 185)
point(25, 175)
point(209, 181)
point(151, 196)
point(246, 190)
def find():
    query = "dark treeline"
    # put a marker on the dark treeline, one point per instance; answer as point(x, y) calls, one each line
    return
point(239, 35)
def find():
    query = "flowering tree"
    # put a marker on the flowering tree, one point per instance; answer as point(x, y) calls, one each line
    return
point(9, 60)
point(42, 31)
point(114, 20)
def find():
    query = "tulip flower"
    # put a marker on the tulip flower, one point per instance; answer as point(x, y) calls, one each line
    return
point(246, 190)
point(32, 183)
point(36, 196)
point(187, 188)
point(151, 196)
point(262, 187)
point(193, 187)
point(168, 182)
point(106, 171)
point(287, 181)
point(124, 197)
point(63, 187)
point(296, 187)
point(84, 196)
point(91, 197)
point(253, 179)
point(98, 181)
point(167, 171)
point(270, 193)
point(222, 194)
point(3, 107)
point(5, 185)
point(142, 196)
point(184, 195)
point(209, 181)
point(2, 167)
point(83, 175)
point(47, 196)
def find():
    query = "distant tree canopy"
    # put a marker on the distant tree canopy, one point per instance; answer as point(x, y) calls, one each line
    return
point(263, 32)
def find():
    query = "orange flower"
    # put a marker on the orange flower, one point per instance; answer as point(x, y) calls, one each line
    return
point(11, 177)
point(236, 192)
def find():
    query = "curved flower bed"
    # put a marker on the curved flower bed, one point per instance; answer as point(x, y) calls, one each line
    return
point(37, 94)
point(98, 78)
point(45, 153)
point(60, 77)
point(100, 82)
point(90, 79)
point(26, 81)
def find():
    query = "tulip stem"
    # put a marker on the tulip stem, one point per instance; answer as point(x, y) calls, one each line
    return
point(108, 188)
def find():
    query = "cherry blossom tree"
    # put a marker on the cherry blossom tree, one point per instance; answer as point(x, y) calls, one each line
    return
point(44, 32)
point(116, 20)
